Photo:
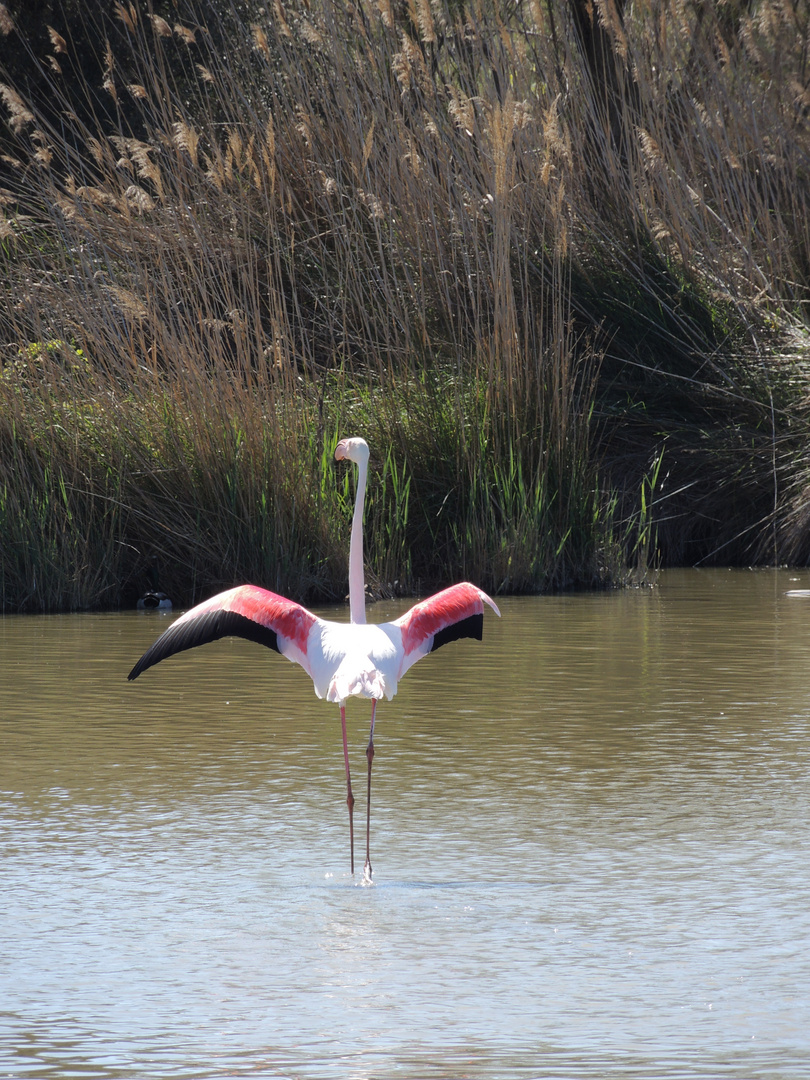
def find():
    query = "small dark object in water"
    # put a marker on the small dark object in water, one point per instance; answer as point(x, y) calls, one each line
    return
point(154, 601)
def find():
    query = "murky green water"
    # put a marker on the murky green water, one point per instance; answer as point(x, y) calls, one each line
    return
point(589, 835)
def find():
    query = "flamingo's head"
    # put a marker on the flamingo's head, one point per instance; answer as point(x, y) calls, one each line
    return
point(355, 450)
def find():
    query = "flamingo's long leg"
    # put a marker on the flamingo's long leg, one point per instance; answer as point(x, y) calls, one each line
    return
point(370, 758)
point(349, 796)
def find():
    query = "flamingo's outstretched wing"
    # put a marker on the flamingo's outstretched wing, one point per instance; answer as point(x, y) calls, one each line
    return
point(453, 613)
point(246, 611)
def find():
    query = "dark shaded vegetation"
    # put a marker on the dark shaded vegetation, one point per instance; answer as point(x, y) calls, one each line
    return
point(550, 259)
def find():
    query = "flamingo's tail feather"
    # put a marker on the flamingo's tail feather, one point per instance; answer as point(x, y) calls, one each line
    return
point(353, 680)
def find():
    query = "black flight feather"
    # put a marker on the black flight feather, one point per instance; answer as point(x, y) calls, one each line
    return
point(209, 627)
point(472, 626)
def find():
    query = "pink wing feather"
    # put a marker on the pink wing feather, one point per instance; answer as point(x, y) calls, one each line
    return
point(446, 616)
point(246, 611)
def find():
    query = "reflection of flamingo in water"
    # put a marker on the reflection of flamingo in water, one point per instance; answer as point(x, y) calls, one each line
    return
point(341, 659)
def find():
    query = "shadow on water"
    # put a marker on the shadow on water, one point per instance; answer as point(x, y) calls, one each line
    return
point(589, 836)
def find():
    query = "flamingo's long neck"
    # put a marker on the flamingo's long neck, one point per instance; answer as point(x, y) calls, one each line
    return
point(357, 588)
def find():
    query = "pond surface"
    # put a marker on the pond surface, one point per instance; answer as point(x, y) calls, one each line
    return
point(589, 837)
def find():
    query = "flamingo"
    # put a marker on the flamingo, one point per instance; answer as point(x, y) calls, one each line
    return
point(342, 659)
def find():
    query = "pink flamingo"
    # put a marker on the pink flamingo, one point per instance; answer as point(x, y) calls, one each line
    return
point(342, 659)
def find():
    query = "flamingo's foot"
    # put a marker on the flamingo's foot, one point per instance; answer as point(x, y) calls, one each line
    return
point(367, 874)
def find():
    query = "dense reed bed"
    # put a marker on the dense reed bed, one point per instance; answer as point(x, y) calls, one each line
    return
point(553, 269)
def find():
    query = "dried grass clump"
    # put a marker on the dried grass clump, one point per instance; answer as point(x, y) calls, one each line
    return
point(518, 256)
